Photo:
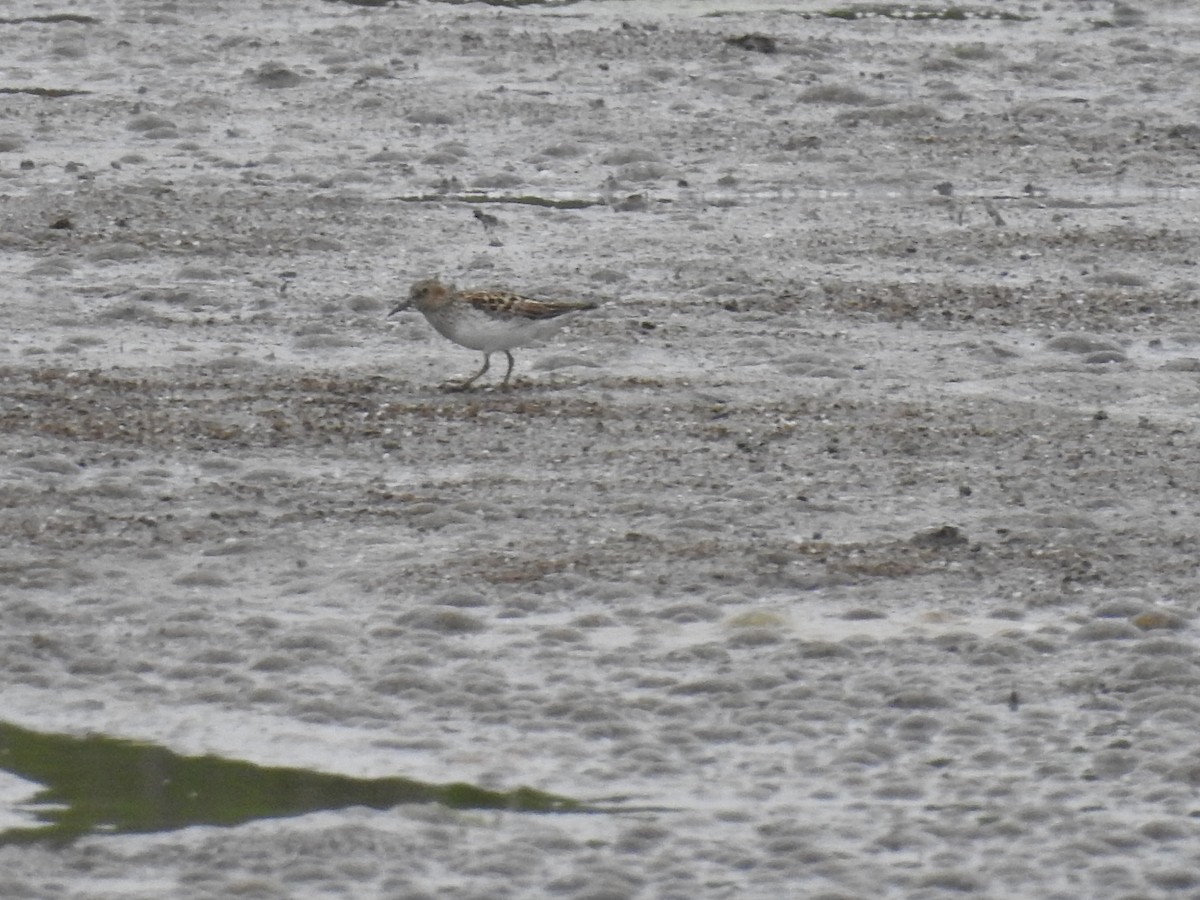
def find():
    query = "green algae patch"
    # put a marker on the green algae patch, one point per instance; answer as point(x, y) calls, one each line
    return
point(105, 785)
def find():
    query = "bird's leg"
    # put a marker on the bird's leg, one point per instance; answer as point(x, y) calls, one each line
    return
point(462, 386)
point(510, 367)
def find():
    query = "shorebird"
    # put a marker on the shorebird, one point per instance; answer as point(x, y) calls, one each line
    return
point(488, 321)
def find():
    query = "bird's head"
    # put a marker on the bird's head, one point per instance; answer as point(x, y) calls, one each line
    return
point(423, 294)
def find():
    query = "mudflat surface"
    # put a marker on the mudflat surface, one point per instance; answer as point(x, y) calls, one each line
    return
point(853, 540)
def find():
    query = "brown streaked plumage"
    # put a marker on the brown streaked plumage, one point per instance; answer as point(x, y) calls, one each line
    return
point(488, 321)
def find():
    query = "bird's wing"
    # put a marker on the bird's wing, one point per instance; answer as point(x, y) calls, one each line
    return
point(507, 305)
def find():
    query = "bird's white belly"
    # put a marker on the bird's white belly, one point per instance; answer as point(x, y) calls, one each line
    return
point(487, 334)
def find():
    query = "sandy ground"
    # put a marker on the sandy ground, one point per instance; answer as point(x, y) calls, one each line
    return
point(856, 532)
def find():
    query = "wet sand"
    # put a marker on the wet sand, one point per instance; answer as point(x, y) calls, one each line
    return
point(853, 540)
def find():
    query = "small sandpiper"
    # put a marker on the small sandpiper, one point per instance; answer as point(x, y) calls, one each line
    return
point(488, 321)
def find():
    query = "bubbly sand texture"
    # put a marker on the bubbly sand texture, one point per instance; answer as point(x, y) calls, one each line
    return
point(856, 532)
